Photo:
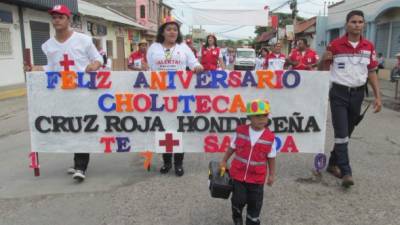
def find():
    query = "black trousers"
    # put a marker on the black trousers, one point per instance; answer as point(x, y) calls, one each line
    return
point(345, 108)
point(247, 194)
point(178, 158)
point(81, 161)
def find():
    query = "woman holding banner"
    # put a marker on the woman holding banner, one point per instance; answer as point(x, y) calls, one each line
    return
point(211, 55)
point(168, 53)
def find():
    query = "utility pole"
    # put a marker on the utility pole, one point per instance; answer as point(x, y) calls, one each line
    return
point(293, 7)
point(324, 7)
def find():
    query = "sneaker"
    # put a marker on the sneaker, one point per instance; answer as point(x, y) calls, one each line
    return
point(79, 175)
point(347, 181)
point(335, 171)
point(179, 171)
point(165, 168)
point(71, 170)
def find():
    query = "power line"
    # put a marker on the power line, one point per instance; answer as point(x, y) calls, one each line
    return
point(311, 2)
point(233, 29)
point(192, 2)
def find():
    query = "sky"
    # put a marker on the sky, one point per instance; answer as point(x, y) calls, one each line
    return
point(182, 11)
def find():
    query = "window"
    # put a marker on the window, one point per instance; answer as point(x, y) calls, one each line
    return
point(149, 7)
point(334, 33)
point(382, 38)
point(154, 9)
point(40, 33)
point(142, 11)
point(395, 43)
point(5, 17)
point(245, 54)
point(5, 42)
point(109, 46)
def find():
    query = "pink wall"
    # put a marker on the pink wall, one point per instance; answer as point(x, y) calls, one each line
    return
point(151, 12)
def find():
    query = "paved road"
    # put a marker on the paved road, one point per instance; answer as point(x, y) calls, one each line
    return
point(118, 191)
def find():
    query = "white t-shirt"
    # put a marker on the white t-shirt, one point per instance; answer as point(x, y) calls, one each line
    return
point(354, 44)
point(79, 48)
point(254, 136)
point(277, 62)
point(260, 63)
point(180, 57)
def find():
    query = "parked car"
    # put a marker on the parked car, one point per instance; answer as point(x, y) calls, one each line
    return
point(245, 59)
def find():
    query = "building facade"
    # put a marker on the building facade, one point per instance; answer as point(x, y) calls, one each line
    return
point(24, 26)
point(382, 26)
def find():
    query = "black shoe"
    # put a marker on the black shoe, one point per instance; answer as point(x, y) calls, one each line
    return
point(165, 168)
point(179, 171)
point(237, 221)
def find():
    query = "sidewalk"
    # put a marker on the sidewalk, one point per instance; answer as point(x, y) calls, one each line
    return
point(12, 91)
point(388, 94)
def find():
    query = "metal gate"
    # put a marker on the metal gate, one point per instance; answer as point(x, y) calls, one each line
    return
point(40, 34)
point(382, 38)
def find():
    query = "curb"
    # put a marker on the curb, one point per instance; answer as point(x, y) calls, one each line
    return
point(13, 93)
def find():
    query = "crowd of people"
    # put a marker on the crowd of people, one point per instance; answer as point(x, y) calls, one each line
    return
point(351, 60)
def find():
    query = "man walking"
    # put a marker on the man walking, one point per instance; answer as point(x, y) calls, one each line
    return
point(351, 59)
point(81, 54)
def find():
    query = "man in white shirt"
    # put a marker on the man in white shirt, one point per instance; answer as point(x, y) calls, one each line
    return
point(69, 50)
point(276, 59)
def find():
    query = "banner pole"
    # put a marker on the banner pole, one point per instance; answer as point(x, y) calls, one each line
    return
point(37, 169)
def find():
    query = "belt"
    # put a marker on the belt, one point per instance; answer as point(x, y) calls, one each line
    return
point(348, 89)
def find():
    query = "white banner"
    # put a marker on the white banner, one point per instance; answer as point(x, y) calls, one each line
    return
point(235, 17)
point(172, 112)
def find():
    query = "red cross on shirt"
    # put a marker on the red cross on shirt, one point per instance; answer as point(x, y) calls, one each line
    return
point(169, 142)
point(66, 63)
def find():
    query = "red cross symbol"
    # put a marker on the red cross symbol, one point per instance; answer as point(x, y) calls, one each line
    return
point(66, 63)
point(169, 142)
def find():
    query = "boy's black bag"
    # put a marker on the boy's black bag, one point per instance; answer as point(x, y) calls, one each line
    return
point(220, 186)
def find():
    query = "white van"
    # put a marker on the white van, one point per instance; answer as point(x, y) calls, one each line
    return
point(245, 59)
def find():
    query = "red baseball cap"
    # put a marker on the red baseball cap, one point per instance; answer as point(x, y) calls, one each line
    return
point(60, 9)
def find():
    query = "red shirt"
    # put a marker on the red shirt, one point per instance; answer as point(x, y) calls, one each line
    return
point(350, 64)
point(209, 58)
point(309, 57)
point(137, 58)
